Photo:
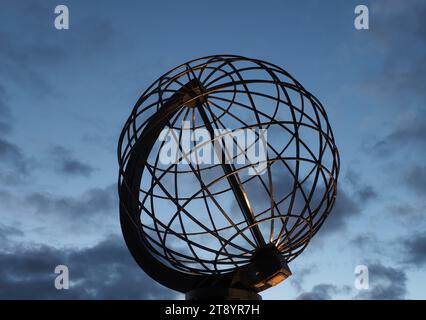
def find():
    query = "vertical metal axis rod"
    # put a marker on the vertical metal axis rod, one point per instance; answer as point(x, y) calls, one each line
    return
point(236, 186)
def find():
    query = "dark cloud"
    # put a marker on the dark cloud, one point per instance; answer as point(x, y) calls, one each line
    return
point(28, 61)
point(300, 275)
point(12, 154)
point(91, 203)
point(7, 232)
point(361, 190)
point(399, 81)
point(345, 208)
point(5, 114)
point(352, 196)
point(65, 163)
point(396, 19)
point(7, 198)
point(319, 292)
point(409, 134)
point(350, 202)
point(409, 251)
point(104, 271)
point(414, 250)
point(400, 32)
point(366, 193)
point(415, 179)
point(386, 283)
point(22, 60)
point(14, 166)
point(367, 243)
point(407, 212)
point(87, 215)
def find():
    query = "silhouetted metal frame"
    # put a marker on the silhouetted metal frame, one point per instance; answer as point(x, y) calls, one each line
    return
point(137, 140)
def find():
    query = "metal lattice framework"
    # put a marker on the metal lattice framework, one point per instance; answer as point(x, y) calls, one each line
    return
point(189, 221)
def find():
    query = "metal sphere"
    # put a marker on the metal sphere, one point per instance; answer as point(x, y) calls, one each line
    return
point(182, 221)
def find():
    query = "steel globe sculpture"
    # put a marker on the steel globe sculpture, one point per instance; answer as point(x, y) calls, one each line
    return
point(224, 228)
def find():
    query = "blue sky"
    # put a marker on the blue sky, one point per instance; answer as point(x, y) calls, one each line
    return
point(64, 96)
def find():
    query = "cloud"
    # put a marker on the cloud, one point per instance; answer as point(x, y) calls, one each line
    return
point(319, 292)
point(29, 62)
point(12, 155)
point(386, 283)
point(66, 164)
point(407, 251)
point(405, 212)
point(104, 271)
point(92, 202)
point(83, 218)
point(14, 166)
point(414, 250)
point(415, 179)
point(344, 208)
point(7, 232)
point(5, 114)
point(368, 243)
point(20, 61)
point(352, 198)
point(366, 194)
point(300, 276)
point(400, 33)
point(409, 133)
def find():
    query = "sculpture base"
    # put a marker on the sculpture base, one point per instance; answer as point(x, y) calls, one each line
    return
point(217, 293)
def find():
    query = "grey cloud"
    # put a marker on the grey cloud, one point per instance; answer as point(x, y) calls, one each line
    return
point(5, 114)
point(14, 166)
point(345, 208)
point(348, 201)
point(7, 199)
point(362, 191)
point(366, 241)
point(406, 213)
point(366, 193)
point(92, 202)
point(319, 292)
point(12, 155)
point(8, 232)
point(385, 283)
point(104, 271)
point(400, 31)
point(408, 251)
point(415, 179)
point(396, 12)
point(66, 164)
point(414, 250)
point(408, 134)
point(300, 275)
point(39, 52)
point(348, 205)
